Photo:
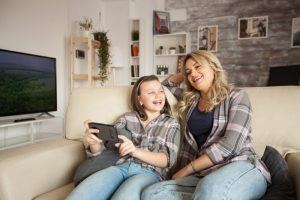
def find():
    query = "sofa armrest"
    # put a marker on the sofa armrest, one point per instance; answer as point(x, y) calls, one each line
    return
point(293, 161)
point(28, 171)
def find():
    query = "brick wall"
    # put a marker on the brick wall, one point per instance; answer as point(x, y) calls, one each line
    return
point(246, 61)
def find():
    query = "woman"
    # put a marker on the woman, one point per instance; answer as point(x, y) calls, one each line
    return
point(145, 159)
point(216, 159)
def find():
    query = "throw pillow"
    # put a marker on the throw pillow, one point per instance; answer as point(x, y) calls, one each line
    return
point(106, 159)
point(281, 187)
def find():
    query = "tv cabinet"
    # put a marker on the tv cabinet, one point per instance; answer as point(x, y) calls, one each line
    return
point(14, 134)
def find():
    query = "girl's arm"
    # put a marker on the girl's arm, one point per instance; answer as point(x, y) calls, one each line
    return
point(153, 158)
point(95, 144)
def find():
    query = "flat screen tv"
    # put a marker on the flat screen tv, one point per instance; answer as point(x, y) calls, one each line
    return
point(27, 83)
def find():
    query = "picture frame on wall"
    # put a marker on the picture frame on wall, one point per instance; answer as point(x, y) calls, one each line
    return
point(253, 27)
point(295, 38)
point(161, 22)
point(208, 38)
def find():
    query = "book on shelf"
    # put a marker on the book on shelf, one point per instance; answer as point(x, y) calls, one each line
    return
point(134, 50)
point(135, 70)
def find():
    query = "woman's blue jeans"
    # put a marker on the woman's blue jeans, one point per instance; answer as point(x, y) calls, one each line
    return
point(125, 181)
point(239, 180)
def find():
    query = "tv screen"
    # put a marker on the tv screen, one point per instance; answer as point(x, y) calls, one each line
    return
point(27, 83)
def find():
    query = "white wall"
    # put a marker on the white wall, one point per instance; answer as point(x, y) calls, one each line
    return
point(116, 22)
point(44, 28)
point(37, 27)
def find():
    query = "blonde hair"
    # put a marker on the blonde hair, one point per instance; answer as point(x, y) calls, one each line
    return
point(219, 89)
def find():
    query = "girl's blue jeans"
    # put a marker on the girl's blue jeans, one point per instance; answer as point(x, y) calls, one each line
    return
point(239, 180)
point(125, 181)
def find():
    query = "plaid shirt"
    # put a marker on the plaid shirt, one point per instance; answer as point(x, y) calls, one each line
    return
point(229, 139)
point(161, 135)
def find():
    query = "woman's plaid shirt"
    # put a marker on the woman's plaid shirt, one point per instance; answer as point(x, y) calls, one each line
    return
point(229, 139)
point(161, 135)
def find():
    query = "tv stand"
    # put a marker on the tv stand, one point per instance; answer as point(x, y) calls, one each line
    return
point(45, 113)
point(27, 131)
point(24, 119)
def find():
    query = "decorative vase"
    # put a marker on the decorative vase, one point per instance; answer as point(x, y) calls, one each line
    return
point(86, 33)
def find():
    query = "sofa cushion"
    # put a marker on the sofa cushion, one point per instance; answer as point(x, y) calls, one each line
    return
point(276, 113)
point(57, 194)
point(103, 105)
point(30, 170)
point(281, 187)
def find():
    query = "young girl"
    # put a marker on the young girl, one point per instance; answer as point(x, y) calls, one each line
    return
point(147, 158)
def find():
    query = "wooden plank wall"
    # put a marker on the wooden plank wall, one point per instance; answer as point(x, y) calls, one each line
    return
point(246, 61)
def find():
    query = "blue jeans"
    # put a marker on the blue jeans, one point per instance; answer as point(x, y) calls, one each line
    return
point(125, 181)
point(239, 180)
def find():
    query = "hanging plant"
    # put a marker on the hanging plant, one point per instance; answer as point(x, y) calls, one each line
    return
point(103, 53)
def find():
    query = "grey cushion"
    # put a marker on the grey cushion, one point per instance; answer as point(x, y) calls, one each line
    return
point(281, 187)
point(106, 159)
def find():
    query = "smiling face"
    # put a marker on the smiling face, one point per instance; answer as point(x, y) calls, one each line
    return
point(152, 97)
point(199, 75)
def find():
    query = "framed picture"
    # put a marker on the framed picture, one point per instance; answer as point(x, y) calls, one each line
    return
point(253, 27)
point(295, 33)
point(208, 38)
point(161, 22)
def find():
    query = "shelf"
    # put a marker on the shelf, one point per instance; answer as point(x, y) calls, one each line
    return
point(83, 73)
point(166, 60)
point(80, 77)
point(176, 34)
point(85, 40)
point(136, 70)
point(167, 55)
point(43, 128)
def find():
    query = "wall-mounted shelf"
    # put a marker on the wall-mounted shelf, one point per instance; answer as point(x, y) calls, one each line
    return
point(166, 60)
point(135, 50)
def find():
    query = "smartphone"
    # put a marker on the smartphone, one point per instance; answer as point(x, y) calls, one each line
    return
point(107, 132)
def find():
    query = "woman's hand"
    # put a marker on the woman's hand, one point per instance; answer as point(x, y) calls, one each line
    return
point(93, 141)
point(126, 147)
point(186, 171)
point(176, 78)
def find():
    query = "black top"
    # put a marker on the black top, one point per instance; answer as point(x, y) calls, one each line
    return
point(200, 124)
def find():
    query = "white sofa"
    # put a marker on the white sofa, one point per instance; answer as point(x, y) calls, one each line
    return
point(44, 170)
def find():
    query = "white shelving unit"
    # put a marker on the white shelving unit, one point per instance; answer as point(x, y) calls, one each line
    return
point(14, 134)
point(134, 63)
point(165, 59)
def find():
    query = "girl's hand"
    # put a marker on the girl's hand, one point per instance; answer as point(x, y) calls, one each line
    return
point(126, 147)
point(91, 139)
point(182, 173)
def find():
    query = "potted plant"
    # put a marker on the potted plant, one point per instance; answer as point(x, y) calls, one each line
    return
point(86, 26)
point(103, 53)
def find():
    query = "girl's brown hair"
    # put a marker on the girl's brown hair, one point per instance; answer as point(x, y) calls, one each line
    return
point(136, 106)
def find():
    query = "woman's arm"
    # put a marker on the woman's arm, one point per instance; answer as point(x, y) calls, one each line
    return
point(197, 165)
point(173, 84)
point(153, 158)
